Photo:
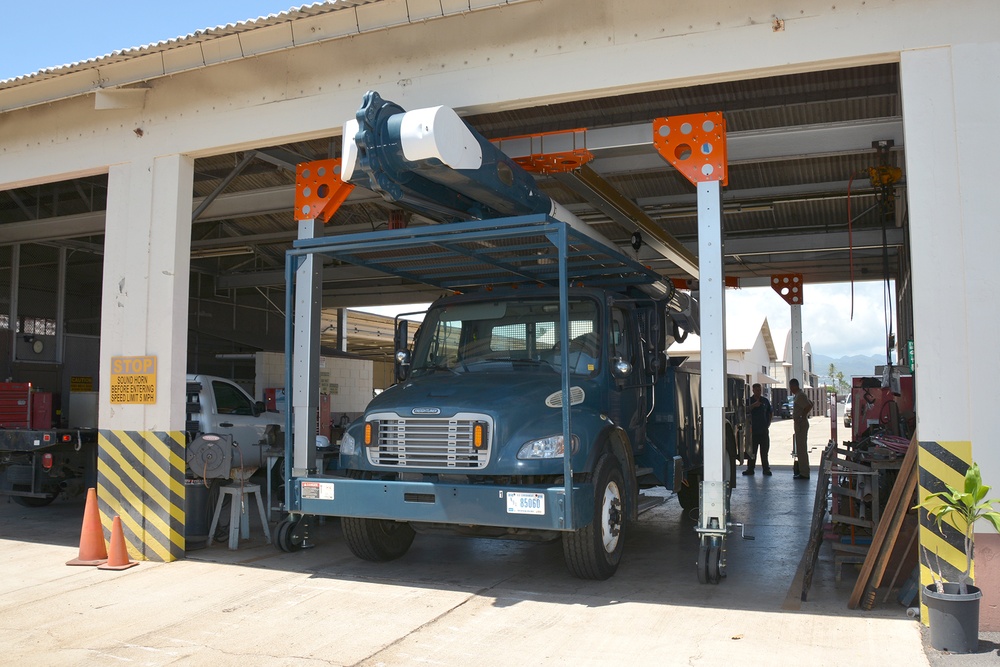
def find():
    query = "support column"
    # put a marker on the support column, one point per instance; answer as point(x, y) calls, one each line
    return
point(713, 353)
point(145, 314)
point(796, 352)
point(949, 97)
point(305, 354)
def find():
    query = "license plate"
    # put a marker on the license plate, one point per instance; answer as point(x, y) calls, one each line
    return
point(525, 503)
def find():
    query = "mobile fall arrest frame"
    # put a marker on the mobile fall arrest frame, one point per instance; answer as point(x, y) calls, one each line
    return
point(694, 144)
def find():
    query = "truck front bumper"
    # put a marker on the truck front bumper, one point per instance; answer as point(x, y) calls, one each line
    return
point(530, 507)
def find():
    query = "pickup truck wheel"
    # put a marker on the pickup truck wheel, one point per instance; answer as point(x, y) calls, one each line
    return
point(27, 501)
point(377, 539)
point(594, 551)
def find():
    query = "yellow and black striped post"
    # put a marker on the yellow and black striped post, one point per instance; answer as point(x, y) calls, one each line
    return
point(140, 477)
point(941, 463)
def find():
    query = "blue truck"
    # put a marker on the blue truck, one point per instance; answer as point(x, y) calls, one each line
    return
point(537, 400)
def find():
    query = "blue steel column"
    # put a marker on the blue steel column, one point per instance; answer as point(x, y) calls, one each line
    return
point(713, 354)
point(564, 353)
point(291, 266)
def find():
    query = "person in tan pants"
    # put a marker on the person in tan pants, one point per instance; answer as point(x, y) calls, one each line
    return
point(800, 418)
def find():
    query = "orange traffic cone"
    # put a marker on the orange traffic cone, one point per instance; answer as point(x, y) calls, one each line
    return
point(92, 549)
point(118, 553)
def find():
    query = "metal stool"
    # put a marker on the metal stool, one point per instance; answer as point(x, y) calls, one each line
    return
point(239, 512)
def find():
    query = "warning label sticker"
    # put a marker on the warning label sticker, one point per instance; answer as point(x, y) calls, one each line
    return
point(317, 490)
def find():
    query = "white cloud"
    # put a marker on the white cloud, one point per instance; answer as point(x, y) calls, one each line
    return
point(826, 315)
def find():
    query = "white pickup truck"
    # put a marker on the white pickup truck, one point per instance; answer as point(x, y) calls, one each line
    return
point(218, 405)
point(37, 465)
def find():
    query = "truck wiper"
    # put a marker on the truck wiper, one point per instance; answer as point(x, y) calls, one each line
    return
point(437, 367)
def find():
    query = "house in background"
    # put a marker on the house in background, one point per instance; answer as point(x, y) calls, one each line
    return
point(750, 352)
point(781, 368)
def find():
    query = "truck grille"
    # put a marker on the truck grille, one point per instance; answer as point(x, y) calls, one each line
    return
point(443, 443)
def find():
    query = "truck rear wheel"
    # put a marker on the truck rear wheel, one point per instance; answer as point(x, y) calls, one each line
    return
point(377, 539)
point(594, 551)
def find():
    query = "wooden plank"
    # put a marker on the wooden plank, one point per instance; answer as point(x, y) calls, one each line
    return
point(843, 518)
point(850, 548)
point(808, 563)
point(895, 523)
point(892, 507)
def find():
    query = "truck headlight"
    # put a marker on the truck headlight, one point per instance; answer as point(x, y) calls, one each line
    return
point(348, 445)
point(546, 448)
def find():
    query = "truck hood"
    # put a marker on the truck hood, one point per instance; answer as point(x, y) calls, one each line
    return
point(451, 393)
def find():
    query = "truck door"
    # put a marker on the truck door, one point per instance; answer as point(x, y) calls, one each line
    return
point(628, 398)
point(235, 415)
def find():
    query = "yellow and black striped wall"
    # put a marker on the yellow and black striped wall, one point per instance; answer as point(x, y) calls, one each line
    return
point(140, 478)
point(942, 552)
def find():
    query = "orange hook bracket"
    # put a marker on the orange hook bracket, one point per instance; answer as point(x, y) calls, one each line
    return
point(788, 286)
point(695, 144)
point(319, 192)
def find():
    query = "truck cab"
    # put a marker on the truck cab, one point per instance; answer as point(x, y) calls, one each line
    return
point(479, 404)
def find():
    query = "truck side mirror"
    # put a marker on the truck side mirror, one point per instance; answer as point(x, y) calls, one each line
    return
point(402, 357)
point(259, 408)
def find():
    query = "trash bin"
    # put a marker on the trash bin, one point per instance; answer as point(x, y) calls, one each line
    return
point(196, 517)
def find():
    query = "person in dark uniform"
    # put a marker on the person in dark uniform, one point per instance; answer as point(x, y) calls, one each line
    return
point(760, 437)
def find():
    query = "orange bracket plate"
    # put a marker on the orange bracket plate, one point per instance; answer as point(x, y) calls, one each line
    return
point(319, 192)
point(788, 286)
point(550, 152)
point(555, 163)
point(695, 144)
point(692, 284)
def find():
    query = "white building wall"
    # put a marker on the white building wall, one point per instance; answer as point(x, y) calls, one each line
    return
point(348, 381)
point(950, 95)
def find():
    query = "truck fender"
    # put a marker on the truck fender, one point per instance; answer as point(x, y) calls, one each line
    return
point(617, 443)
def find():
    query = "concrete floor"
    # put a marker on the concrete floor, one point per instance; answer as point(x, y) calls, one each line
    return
point(449, 601)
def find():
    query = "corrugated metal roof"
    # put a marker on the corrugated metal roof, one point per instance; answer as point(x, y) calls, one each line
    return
point(207, 34)
point(314, 9)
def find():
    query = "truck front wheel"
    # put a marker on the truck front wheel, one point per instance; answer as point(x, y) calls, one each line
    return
point(594, 551)
point(377, 539)
point(690, 491)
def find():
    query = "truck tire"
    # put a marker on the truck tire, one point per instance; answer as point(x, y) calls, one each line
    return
point(377, 540)
point(690, 494)
point(594, 551)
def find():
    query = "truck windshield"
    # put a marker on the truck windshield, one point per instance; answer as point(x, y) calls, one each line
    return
point(516, 335)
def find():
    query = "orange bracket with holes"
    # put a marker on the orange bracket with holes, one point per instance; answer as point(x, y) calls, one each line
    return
point(319, 192)
point(692, 284)
point(540, 161)
point(695, 144)
point(789, 287)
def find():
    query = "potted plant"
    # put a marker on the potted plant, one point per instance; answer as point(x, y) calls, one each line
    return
point(954, 606)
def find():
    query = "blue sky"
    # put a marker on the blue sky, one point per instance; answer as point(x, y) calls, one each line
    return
point(60, 32)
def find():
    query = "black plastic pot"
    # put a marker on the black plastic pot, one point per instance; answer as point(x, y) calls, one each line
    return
point(953, 617)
